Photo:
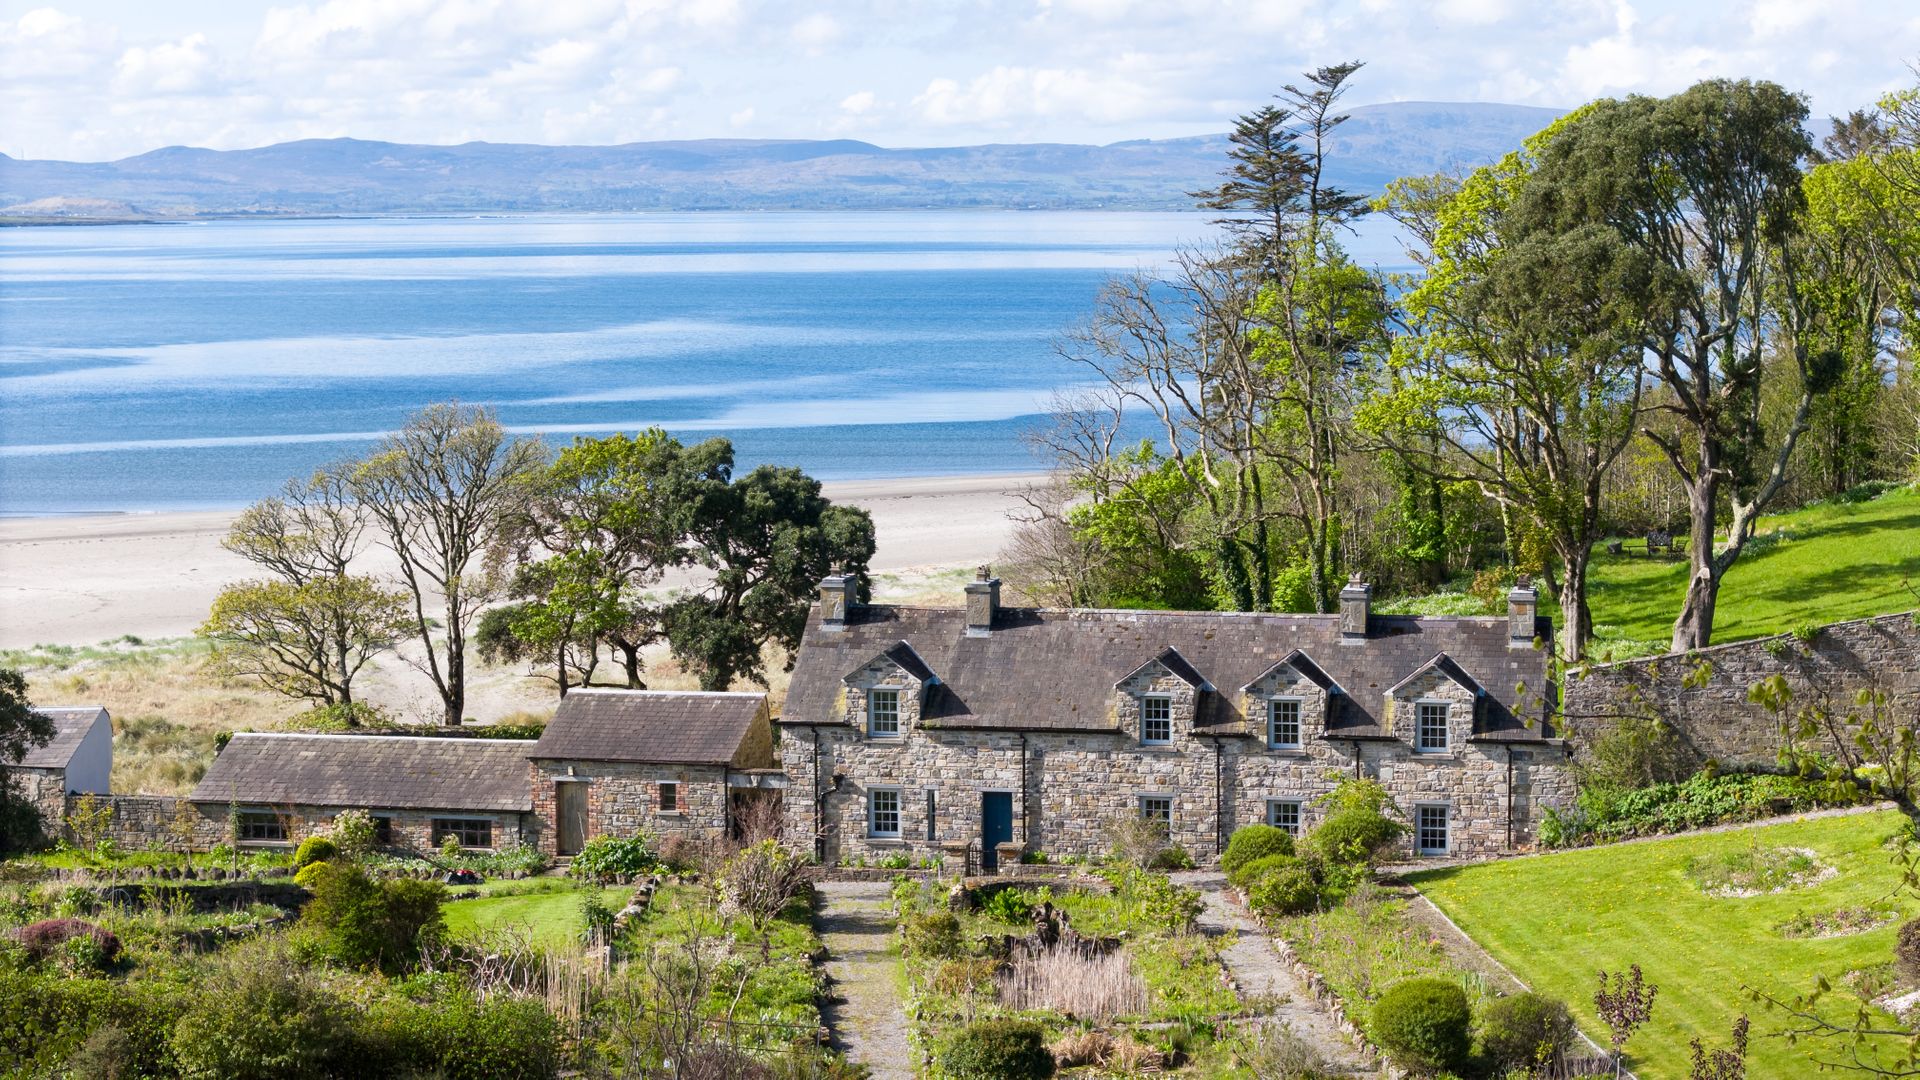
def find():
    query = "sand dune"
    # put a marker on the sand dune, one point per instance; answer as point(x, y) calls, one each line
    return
point(85, 579)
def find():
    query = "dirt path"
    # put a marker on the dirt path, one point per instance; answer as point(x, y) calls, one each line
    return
point(864, 1012)
point(1263, 976)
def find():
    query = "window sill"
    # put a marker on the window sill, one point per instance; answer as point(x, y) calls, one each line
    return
point(670, 813)
point(1293, 750)
point(887, 841)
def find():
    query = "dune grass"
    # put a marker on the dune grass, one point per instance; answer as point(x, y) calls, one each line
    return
point(1556, 920)
point(1822, 564)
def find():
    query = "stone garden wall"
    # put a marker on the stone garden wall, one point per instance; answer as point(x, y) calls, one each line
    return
point(1703, 694)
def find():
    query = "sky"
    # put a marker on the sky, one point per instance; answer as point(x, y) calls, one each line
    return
point(97, 81)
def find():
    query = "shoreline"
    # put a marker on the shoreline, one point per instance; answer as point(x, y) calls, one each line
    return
point(84, 578)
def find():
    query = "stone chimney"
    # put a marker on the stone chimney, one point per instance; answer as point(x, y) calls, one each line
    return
point(839, 594)
point(1355, 601)
point(983, 602)
point(1523, 603)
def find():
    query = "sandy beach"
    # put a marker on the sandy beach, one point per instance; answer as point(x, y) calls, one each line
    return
point(83, 579)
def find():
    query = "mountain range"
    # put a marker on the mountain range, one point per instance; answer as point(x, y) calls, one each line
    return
point(355, 176)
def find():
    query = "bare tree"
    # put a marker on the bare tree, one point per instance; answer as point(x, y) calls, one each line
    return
point(440, 489)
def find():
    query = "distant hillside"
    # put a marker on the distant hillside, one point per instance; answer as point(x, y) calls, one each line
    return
point(316, 176)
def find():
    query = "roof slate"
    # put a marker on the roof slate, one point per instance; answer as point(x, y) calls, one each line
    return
point(375, 772)
point(70, 726)
point(1055, 670)
point(654, 726)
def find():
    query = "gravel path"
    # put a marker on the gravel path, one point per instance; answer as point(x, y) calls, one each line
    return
point(864, 1013)
point(1264, 979)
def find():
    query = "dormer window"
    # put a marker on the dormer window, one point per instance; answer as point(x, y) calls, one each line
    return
point(1283, 724)
point(883, 714)
point(1156, 720)
point(1430, 727)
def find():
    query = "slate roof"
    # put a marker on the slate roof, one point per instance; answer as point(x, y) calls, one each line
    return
point(1302, 663)
point(654, 726)
point(70, 725)
point(375, 772)
point(1055, 670)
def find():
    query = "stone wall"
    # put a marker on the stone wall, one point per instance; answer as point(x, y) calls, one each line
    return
point(1073, 785)
point(46, 791)
point(1702, 695)
point(146, 820)
point(623, 799)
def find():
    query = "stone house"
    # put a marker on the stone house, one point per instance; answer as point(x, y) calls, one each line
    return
point(670, 763)
point(418, 790)
point(1003, 730)
point(77, 761)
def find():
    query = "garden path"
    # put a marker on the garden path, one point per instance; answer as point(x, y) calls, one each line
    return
point(864, 1013)
point(1259, 971)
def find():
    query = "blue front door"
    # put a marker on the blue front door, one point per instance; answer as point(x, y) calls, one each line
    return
point(996, 826)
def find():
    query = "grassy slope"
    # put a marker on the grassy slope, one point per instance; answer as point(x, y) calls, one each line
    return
point(1556, 919)
point(1828, 563)
point(551, 917)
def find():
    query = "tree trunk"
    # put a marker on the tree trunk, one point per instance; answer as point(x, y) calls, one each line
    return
point(1576, 619)
point(455, 692)
point(630, 660)
point(1694, 627)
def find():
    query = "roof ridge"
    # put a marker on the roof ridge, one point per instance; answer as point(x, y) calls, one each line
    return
point(667, 693)
point(380, 738)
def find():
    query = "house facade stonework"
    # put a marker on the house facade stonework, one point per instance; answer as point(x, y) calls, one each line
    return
point(1038, 728)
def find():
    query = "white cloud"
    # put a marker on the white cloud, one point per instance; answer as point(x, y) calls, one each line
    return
point(817, 31)
point(858, 103)
point(742, 118)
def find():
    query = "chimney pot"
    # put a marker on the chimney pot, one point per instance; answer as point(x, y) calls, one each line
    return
point(837, 600)
point(1356, 601)
point(983, 603)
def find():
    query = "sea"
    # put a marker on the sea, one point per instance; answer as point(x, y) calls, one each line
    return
point(198, 365)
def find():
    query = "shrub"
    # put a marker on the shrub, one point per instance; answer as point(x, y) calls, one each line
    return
point(1357, 827)
point(1906, 949)
point(1424, 1024)
point(361, 922)
point(1253, 842)
point(1014, 905)
point(263, 1021)
point(44, 938)
point(352, 832)
point(933, 934)
point(1281, 885)
point(1526, 1030)
point(315, 848)
point(608, 858)
point(997, 1050)
point(1174, 857)
point(456, 1036)
point(47, 1022)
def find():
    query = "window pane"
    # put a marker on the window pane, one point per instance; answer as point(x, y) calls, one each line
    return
point(1433, 829)
point(883, 813)
point(1432, 721)
point(1284, 814)
point(1283, 723)
point(1157, 808)
point(467, 832)
point(669, 796)
point(883, 712)
point(1156, 719)
point(262, 827)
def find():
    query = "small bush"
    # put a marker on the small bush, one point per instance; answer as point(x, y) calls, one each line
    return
point(1253, 842)
point(997, 1050)
point(360, 922)
point(1281, 885)
point(1424, 1025)
point(44, 938)
point(1014, 905)
point(611, 858)
point(1906, 949)
point(352, 832)
point(459, 1037)
point(1357, 828)
point(1526, 1030)
point(263, 1021)
point(932, 934)
point(314, 849)
point(1174, 857)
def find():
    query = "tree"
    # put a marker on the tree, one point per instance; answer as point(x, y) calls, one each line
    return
point(766, 539)
point(305, 640)
point(1706, 185)
point(759, 882)
point(441, 491)
point(604, 522)
point(1522, 374)
point(21, 729)
point(1625, 1004)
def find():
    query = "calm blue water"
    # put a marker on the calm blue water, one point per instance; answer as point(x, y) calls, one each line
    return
point(198, 366)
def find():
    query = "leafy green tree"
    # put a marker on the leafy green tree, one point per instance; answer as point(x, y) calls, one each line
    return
point(305, 640)
point(442, 491)
point(21, 729)
point(765, 540)
point(1522, 371)
point(1706, 187)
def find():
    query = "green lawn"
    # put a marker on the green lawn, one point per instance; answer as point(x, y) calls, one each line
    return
point(1557, 919)
point(1820, 565)
point(552, 917)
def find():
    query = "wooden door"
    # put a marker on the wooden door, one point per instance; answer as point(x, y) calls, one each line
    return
point(996, 826)
point(570, 806)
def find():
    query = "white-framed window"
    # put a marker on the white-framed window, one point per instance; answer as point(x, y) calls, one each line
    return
point(1284, 814)
point(883, 812)
point(1430, 726)
point(1156, 719)
point(1157, 808)
point(1283, 723)
point(883, 713)
point(1430, 828)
